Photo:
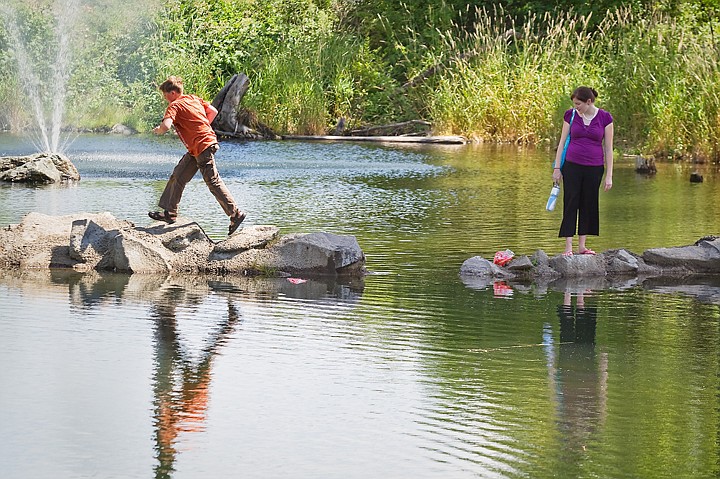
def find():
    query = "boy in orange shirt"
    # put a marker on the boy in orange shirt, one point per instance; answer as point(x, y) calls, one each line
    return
point(191, 116)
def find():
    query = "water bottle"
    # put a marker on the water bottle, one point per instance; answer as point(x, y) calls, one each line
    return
point(554, 192)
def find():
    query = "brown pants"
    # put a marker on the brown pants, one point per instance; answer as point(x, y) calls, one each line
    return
point(184, 172)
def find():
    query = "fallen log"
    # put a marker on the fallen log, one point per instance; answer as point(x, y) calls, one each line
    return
point(393, 128)
point(446, 140)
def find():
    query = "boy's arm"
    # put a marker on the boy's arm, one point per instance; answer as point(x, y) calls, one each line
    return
point(211, 112)
point(163, 127)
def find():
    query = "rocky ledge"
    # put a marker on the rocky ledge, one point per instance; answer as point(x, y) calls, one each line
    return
point(41, 168)
point(701, 258)
point(85, 242)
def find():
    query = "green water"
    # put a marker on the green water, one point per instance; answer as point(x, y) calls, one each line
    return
point(410, 372)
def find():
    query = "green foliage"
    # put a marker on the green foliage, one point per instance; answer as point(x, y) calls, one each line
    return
point(663, 75)
point(502, 72)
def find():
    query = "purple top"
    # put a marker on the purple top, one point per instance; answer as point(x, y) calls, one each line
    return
point(586, 146)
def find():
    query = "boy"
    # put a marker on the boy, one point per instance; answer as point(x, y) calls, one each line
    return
point(191, 116)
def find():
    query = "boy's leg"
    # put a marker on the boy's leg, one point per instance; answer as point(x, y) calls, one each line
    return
point(206, 165)
point(181, 176)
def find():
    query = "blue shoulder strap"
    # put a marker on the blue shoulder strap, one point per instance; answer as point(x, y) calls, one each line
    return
point(567, 140)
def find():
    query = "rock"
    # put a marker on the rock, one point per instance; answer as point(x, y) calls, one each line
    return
point(483, 268)
point(134, 253)
point(318, 253)
point(120, 129)
point(40, 168)
point(696, 177)
point(702, 257)
point(579, 265)
point(622, 262)
point(257, 236)
point(521, 263)
point(86, 242)
point(542, 265)
point(619, 268)
point(89, 240)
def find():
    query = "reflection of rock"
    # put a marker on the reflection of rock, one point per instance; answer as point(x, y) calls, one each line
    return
point(93, 288)
point(41, 168)
point(706, 290)
point(87, 242)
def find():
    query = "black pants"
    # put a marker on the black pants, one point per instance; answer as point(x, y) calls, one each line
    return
point(580, 199)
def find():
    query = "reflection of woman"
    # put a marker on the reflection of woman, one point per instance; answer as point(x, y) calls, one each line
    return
point(589, 152)
point(581, 372)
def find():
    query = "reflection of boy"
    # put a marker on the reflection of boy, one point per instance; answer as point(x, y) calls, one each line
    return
point(191, 116)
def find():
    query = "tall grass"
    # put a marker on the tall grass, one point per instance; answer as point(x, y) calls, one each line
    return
point(664, 81)
point(308, 89)
point(656, 75)
point(510, 84)
point(289, 96)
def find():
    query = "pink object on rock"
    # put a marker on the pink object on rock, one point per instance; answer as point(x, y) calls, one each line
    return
point(503, 257)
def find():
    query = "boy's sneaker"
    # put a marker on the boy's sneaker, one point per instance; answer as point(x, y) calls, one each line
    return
point(235, 221)
point(162, 216)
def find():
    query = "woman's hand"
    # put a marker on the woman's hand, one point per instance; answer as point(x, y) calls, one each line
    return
point(608, 183)
point(557, 175)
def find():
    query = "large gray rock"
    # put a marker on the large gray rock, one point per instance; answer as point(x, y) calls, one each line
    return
point(86, 242)
point(623, 262)
point(138, 253)
point(41, 168)
point(703, 256)
point(313, 254)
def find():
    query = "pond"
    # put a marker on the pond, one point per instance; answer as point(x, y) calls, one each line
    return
point(408, 372)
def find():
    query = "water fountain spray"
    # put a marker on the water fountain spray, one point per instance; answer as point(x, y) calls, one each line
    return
point(49, 125)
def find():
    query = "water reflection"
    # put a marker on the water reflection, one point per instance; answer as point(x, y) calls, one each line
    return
point(182, 381)
point(705, 289)
point(194, 320)
point(579, 376)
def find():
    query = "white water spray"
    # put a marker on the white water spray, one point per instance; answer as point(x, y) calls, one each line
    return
point(49, 125)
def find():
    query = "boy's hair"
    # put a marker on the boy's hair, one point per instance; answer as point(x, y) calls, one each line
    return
point(173, 83)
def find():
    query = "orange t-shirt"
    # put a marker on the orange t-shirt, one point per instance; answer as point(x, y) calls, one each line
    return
point(191, 123)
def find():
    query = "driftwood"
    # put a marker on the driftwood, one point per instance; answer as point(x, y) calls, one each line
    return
point(446, 140)
point(405, 127)
point(645, 165)
point(234, 121)
point(227, 102)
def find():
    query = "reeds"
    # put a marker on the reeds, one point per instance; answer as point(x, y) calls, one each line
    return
point(656, 75)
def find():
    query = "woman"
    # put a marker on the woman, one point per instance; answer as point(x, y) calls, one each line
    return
point(588, 155)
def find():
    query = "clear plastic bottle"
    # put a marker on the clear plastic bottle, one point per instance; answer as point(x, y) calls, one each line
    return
point(554, 192)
